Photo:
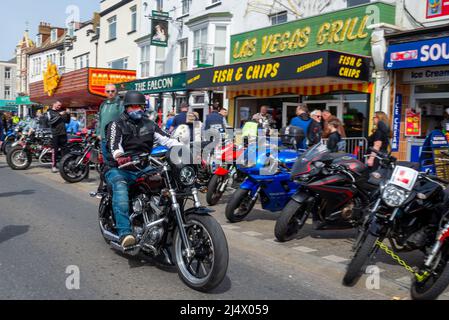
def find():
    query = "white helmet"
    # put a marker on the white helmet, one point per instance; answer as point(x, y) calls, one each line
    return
point(182, 134)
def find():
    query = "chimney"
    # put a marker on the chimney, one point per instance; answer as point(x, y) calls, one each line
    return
point(44, 28)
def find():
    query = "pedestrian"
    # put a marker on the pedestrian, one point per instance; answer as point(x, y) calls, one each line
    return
point(42, 120)
point(379, 140)
point(170, 118)
point(57, 120)
point(110, 110)
point(303, 121)
point(315, 129)
point(74, 125)
point(224, 113)
point(184, 118)
point(264, 119)
point(333, 142)
point(215, 120)
point(328, 117)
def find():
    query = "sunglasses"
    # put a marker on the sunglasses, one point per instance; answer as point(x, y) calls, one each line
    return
point(111, 91)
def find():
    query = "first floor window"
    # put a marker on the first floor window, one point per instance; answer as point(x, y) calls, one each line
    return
point(112, 27)
point(7, 73)
point(121, 64)
point(160, 61)
point(145, 61)
point(279, 18)
point(183, 49)
point(7, 92)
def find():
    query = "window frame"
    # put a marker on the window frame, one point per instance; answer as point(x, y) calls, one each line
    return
point(183, 54)
point(185, 4)
point(133, 10)
point(54, 35)
point(112, 21)
point(276, 16)
point(8, 73)
point(7, 92)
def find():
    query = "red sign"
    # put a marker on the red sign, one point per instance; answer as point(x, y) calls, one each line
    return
point(437, 8)
point(99, 78)
point(412, 123)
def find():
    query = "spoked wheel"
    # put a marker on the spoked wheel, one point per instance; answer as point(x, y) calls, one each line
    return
point(433, 285)
point(205, 268)
point(291, 221)
point(213, 189)
point(19, 158)
point(240, 205)
point(70, 170)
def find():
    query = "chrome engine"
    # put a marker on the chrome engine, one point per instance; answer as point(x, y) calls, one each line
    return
point(147, 220)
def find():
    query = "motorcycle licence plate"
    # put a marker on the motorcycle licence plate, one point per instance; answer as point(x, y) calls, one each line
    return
point(404, 177)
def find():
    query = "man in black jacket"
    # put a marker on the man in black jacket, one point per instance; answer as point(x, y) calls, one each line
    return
point(57, 120)
point(131, 134)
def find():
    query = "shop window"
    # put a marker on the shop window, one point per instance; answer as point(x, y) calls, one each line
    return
point(432, 88)
point(278, 18)
point(356, 118)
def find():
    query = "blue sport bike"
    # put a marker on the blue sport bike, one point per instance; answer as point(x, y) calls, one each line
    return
point(267, 178)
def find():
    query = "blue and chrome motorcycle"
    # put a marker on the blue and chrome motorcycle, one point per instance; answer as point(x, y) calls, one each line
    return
point(267, 178)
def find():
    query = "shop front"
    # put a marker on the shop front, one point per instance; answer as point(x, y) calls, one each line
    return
point(324, 61)
point(81, 92)
point(419, 64)
point(164, 94)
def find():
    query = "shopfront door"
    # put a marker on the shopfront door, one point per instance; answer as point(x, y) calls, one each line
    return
point(288, 112)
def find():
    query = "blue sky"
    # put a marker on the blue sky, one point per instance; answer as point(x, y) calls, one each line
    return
point(15, 13)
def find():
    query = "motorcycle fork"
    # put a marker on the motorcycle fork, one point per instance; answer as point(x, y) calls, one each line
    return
point(83, 157)
point(177, 208)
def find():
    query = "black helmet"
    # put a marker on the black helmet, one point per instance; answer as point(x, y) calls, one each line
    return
point(291, 136)
point(133, 98)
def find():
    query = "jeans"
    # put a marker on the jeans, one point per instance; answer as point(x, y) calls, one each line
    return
point(120, 181)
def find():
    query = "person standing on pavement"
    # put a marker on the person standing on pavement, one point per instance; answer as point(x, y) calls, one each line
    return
point(328, 117)
point(315, 129)
point(182, 118)
point(110, 111)
point(215, 120)
point(379, 140)
point(57, 120)
point(303, 121)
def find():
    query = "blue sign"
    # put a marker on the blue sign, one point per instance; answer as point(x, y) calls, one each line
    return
point(396, 123)
point(434, 52)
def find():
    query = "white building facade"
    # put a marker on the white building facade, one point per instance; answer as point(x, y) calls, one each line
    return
point(8, 74)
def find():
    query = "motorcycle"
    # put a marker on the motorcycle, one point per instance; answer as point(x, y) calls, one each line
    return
point(335, 189)
point(274, 186)
point(406, 214)
point(38, 145)
point(12, 135)
point(191, 239)
point(75, 166)
point(226, 174)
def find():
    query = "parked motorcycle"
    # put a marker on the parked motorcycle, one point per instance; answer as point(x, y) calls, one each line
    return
point(335, 189)
point(75, 166)
point(406, 213)
point(12, 135)
point(164, 228)
point(226, 174)
point(274, 186)
point(37, 145)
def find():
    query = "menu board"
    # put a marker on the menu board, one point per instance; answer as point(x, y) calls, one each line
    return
point(441, 160)
point(412, 123)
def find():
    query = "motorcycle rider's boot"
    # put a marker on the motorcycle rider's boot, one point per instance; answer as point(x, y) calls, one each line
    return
point(54, 170)
point(128, 241)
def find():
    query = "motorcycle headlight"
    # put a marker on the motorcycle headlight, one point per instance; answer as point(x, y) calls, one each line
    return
point(187, 176)
point(394, 196)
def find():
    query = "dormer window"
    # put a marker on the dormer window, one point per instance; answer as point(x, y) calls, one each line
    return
point(39, 40)
point(54, 35)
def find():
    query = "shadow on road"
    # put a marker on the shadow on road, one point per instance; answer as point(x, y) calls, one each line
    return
point(17, 193)
point(9, 232)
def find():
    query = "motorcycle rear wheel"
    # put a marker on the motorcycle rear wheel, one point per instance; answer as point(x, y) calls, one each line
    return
point(239, 206)
point(68, 172)
point(207, 268)
point(19, 159)
point(291, 221)
point(213, 193)
point(433, 286)
point(361, 257)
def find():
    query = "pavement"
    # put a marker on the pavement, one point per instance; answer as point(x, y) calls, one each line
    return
point(48, 229)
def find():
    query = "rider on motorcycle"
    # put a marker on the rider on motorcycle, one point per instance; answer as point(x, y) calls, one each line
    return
point(132, 134)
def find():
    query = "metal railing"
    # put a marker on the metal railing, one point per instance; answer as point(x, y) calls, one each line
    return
point(357, 146)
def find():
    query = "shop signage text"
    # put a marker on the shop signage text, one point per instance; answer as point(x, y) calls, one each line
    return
point(171, 83)
point(426, 75)
point(311, 65)
point(396, 123)
point(432, 52)
point(345, 30)
point(99, 78)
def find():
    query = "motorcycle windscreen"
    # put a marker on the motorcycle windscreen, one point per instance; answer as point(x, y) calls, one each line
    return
point(304, 163)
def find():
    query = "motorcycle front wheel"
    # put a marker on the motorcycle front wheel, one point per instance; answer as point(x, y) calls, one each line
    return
point(18, 158)
point(291, 221)
point(362, 256)
point(239, 206)
point(213, 190)
point(433, 285)
point(7, 145)
point(206, 268)
point(69, 170)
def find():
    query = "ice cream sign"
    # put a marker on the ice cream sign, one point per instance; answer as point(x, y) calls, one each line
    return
point(425, 53)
